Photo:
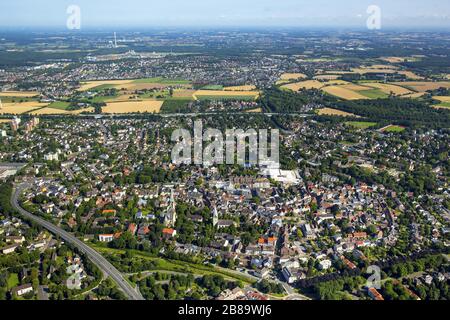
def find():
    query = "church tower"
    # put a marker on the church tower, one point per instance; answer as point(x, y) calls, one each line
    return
point(215, 216)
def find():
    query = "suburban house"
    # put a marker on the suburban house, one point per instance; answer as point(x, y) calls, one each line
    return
point(23, 289)
point(106, 237)
point(169, 233)
point(374, 294)
point(9, 249)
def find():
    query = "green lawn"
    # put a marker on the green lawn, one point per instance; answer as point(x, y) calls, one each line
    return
point(102, 98)
point(59, 105)
point(174, 106)
point(98, 99)
point(444, 104)
point(361, 124)
point(13, 280)
point(213, 87)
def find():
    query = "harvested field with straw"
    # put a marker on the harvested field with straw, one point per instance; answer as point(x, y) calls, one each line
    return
point(327, 77)
point(19, 94)
point(93, 84)
point(240, 88)
point(257, 110)
point(343, 92)
point(309, 84)
point(53, 111)
point(388, 88)
point(293, 76)
point(422, 86)
point(335, 112)
point(186, 94)
point(19, 108)
point(411, 75)
point(442, 98)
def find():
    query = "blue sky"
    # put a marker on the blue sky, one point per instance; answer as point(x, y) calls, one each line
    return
point(139, 13)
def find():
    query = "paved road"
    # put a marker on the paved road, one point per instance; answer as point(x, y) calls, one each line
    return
point(106, 267)
point(183, 115)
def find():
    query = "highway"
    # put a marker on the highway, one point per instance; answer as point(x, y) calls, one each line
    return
point(183, 115)
point(106, 267)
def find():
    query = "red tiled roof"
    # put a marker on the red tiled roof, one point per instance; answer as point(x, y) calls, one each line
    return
point(168, 231)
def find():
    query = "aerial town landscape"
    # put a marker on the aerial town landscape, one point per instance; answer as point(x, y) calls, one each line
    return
point(93, 207)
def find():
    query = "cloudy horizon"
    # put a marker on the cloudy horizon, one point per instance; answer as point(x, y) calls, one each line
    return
point(245, 13)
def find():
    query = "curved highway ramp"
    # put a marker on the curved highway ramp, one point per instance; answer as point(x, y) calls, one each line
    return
point(103, 264)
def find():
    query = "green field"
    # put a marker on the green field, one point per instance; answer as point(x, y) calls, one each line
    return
point(444, 104)
point(101, 98)
point(374, 94)
point(174, 106)
point(212, 87)
point(361, 124)
point(97, 99)
point(394, 129)
point(62, 105)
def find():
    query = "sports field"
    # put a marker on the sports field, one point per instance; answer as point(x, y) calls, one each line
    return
point(392, 128)
point(361, 124)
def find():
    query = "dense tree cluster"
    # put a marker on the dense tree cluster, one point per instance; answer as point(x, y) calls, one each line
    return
point(399, 111)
